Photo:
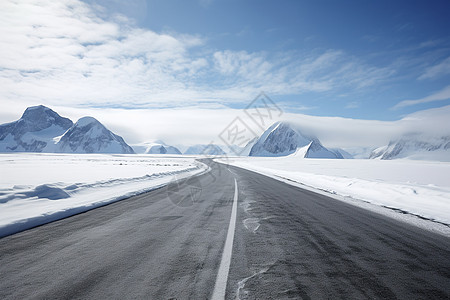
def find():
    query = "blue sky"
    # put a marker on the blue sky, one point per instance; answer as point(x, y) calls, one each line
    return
point(397, 42)
point(372, 60)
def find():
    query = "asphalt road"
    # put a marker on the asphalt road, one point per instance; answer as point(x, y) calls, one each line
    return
point(288, 243)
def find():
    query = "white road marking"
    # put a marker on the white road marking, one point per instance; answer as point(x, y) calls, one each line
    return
point(222, 275)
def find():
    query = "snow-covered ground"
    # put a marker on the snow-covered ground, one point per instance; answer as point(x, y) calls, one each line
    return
point(420, 188)
point(37, 188)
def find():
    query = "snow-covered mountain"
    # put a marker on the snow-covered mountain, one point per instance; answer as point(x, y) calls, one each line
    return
point(283, 139)
point(157, 147)
point(342, 152)
point(210, 149)
point(88, 135)
point(359, 152)
point(415, 146)
point(41, 129)
point(162, 149)
point(34, 131)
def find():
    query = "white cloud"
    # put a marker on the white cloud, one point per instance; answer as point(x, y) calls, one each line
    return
point(443, 68)
point(61, 51)
point(67, 51)
point(441, 95)
point(435, 121)
point(347, 132)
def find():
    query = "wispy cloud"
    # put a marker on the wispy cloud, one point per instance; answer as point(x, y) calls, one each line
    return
point(441, 95)
point(371, 38)
point(404, 27)
point(294, 107)
point(352, 105)
point(442, 68)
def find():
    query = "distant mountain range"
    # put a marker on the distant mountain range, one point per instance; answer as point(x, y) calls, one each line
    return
point(40, 129)
point(415, 146)
point(157, 147)
point(210, 149)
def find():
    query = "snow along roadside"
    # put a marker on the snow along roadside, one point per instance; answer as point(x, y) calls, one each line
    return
point(26, 206)
point(427, 207)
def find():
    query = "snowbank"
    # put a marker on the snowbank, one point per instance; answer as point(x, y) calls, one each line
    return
point(420, 188)
point(39, 188)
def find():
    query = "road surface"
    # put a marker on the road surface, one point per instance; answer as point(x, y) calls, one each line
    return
point(178, 242)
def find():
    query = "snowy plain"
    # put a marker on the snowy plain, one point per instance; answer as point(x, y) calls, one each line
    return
point(406, 187)
point(37, 188)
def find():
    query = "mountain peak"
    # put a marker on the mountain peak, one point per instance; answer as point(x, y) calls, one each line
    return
point(35, 109)
point(41, 117)
point(285, 138)
point(201, 149)
point(36, 118)
point(88, 135)
point(34, 131)
point(85, 121)
point(160, 148)
point(280, 139)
